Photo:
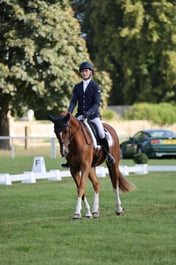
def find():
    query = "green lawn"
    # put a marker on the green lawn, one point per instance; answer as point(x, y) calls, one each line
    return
point(36, 227)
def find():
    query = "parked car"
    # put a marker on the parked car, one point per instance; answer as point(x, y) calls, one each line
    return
point(154, 143)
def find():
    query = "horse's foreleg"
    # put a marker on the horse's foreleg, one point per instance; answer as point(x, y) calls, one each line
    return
point(95, 208)
point(77, 179)
point(80, 180)
point(96, 186)
point(81, 188)
point(77, 214)
point(87, 207)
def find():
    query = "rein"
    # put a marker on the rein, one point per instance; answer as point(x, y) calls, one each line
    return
point(83, 131)
point(70, 137)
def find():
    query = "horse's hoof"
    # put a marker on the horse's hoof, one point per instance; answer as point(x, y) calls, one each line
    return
point(120, 213)
point(96, 214)
point(89, 216)
point(77, 216)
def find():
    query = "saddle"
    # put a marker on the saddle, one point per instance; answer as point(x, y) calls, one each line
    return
point(98, 144)
point(94, 134)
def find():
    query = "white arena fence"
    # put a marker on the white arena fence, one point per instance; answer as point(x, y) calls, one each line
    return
point(39, 172)
point(26, 139)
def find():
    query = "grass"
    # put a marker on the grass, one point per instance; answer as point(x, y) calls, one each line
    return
point(36, 225)
point(24, 159)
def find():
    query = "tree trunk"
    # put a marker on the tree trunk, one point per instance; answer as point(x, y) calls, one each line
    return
point(4, 129)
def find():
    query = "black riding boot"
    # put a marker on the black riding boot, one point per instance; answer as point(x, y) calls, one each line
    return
point(109, 158)
point(65, 165)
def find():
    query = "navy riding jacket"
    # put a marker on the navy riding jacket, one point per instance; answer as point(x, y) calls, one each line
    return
point(88, 101)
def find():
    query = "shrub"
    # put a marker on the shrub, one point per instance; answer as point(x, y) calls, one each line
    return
point(161, 114)
point(109, 115)
point(141, 158)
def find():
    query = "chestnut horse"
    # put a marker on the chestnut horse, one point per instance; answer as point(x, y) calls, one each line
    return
point(76, 145)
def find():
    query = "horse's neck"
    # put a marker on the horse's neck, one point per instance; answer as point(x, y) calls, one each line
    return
point(74, 122)
point(76, 126)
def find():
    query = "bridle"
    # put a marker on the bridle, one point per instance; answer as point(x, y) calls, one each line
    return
point(66, 134)
point(69, 135)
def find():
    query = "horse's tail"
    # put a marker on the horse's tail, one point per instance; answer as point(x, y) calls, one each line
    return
point(124, 184)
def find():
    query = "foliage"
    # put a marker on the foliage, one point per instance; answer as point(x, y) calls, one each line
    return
point(110, 115)
point(162, 114)
point(103, 78)
point(136, 42)
point(39, 48)
point(140, 158)
point(40, 51)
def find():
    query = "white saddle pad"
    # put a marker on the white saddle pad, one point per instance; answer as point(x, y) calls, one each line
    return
point(107, 135)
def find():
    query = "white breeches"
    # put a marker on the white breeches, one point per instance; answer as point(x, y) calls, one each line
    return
point(99, 126)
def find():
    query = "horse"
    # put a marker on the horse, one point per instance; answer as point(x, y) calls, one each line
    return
point(76, 146)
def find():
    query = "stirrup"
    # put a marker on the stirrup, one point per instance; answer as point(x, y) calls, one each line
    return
point(110, 159)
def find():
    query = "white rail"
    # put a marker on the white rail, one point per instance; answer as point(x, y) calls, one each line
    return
point(26, 138)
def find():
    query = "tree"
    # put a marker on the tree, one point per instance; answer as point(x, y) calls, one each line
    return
point(40, 50)
point(136, 42)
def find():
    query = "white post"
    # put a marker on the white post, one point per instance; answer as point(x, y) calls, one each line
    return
point(12, 149)
point(5, 179)
point(53, 148)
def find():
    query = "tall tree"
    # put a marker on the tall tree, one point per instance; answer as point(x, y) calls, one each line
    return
point(136, 42)
point(40, 51)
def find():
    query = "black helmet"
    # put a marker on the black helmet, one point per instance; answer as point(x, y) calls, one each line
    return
point(85, 65)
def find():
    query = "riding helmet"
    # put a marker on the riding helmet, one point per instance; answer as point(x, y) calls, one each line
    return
point(86, 65)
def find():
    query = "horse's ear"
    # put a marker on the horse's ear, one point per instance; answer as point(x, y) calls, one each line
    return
point(51, 118)
point(67, 117)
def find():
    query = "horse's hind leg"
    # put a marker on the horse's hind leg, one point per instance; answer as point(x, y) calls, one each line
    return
point(119, 210)
point(96, 186)
point(114, 175)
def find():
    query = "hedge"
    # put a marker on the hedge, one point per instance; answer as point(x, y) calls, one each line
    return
point(161, 114)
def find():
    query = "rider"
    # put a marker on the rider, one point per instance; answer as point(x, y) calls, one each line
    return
point(87, 95)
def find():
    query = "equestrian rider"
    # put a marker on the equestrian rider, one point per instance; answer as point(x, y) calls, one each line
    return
point(86, 95)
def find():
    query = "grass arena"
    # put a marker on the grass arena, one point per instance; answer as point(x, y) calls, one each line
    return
point(36, 225)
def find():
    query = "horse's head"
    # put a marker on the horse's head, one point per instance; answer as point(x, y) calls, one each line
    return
point(60, 122)
point(61, 129)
